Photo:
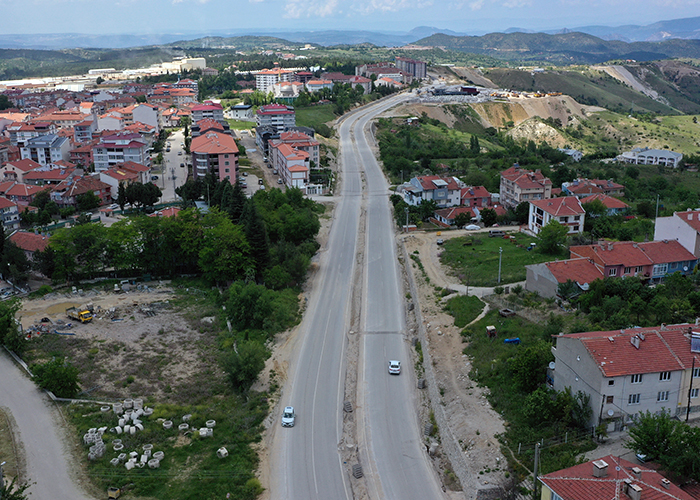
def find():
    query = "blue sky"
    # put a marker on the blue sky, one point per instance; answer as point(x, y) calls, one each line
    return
point(469, 16)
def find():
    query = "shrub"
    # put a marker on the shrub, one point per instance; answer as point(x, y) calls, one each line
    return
point(57, 376)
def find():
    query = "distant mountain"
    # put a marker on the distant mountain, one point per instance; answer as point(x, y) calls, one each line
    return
point(566, 48)
point(686, 28)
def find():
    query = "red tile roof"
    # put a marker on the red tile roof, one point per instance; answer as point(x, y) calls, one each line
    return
point(214, 143)
point(25, 165)
point(630, 253)
point(579, 483)
point(475, 192)
point(606, 200)
point(580, 270)
point(427, 182)
point(54, 174)
point(452, 212)
point(5, 203)
point(133, 166)
point(24, 190)
point(690, 217)
point(662, 252)
point(526, 179)
point(29, 242)
point(615, 355)
point(558, 207)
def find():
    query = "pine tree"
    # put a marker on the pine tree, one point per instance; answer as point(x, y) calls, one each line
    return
point(121, 196)
point(237, 203)
point(256, 234)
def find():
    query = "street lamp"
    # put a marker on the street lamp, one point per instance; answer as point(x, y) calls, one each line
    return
point(500, 255)
point(406, 210)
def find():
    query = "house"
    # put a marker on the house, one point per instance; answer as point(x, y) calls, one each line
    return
point(652, 260)
point(292, 164)
point(217, 153)
point(83, 131)
point(23, 194)
point(567, 211)
point(646, 156)
point(82, 154)
point(581, 188)
point(475, 196)
point(681, 226)
point(613, 205)
point(316, 85)
point(47, 176)
point(207, 125)
point(143, 172)
point(630, 371)
point(519, 184)
point(447, 216)
point(444, 191)
point(362, 81)
point(47, 149)
point(609, 477)
point(242, 112)
point(575, 154)
point(278, 116)
point(16, 170)
point(166, 212)
point(116, 176)
point(546, 277)
point(120, 148)
point(30, 243)
point(9, 214)
point(66, 193)
point(208, 110)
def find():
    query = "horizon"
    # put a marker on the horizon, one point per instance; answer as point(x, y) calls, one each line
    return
point(198, 17)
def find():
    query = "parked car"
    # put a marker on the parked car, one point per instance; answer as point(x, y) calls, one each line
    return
point(472, 227)
point(288, 417)
point(496, 233)
point(179, 153)
point(279, 181)
point(182, 165)
point(394, 367)
point(440, 242)
point(245, 174)
point(154, 177)
point(260, 181)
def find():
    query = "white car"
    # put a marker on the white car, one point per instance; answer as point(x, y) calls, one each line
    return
point(394, 367)
point(472, 227)
point(288, 416)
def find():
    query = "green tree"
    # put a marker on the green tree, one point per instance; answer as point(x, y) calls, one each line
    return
point(5, 102)
point(595, 208)
point(57, 376)
point(12, 490)
point(474, 146)
point(488, 217)
point(257, 236)
point(87, 201)
point(244, 364)
point(522, 212)
point(225, 253)
point(552, 236)
point(10, 333)
point(462, 219)
point(121, 196)
point(529, 366)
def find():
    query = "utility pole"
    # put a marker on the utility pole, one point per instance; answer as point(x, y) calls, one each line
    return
point(690, 390)
point(657, 206)
point(534, 471)
point(406, 210)
point(500, 255)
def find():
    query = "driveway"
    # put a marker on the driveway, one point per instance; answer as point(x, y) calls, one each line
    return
point(40, 431)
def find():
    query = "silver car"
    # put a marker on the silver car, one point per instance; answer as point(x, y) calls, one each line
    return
point(288, 416)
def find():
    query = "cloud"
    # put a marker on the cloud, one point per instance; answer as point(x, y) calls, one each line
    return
point(477, 5)
point(296, 9)
point(175, 2)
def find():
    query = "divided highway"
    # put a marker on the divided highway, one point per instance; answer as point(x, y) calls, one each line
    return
point(305, 460)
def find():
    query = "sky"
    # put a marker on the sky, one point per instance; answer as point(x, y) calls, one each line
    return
point(465, 16)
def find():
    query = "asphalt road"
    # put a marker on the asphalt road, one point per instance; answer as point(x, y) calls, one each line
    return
point(40, 433)
point(173, 175)
point(305, 461)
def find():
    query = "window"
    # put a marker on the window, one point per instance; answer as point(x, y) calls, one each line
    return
point(637, 379)
point(226, 170)
point(696, 372)
point(694, 393)
point(609, 399)
point(633, 399)
point(226, 155)
point(225, 163)
point(663, 376)
point(612, 272)
point(577, 217)
point(662, 396)
point(575, 228)
point(611, 382)
point(638, 269)
point(563, 220)
point(628, 270)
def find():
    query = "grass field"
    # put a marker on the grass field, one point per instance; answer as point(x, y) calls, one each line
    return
point(240, 124)
point(474, 258)
point(313, 116)
point(464, 308)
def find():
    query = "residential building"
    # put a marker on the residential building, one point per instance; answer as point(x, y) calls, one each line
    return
point(681, 226)
point(29, 243)
point(20, 133)
point(475, 197)
point(567, 211)
point(9, 214)
point(83, 131)
point(302, 142)
point(613, 205)
point(362, 81)
point(652, 260)
point(291, 164)
point(47, 149)
point(268, 77)
point(115, 176)
point(120, 148)
point(208, 110)
point(546, 277)
point(646, 156)
point(217, 153)
point(50, 175)
point(82, 155)
point(582, 188)
point(16, 170)
point(609, 477)
point(148, 114)
point(630, 371)
point(242, 112)
point(386, 81)
point(203, 126)
point(186, 83)
point(303, 76)
point(444, 191)
point(519, 184)
point(575, 154)
point(278, 116)
point(23, 194)
point(316, 85)
point(419, 69)
point(143, 173)
point(447, 216)
point(66, 193)
point(112, 120)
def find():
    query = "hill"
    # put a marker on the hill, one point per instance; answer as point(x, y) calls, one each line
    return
point(566, 48)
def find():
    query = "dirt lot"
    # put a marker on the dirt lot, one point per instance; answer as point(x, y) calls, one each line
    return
point(137, 345)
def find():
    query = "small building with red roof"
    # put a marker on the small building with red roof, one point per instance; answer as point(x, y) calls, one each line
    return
point(217, 153)
point(519, 184)
point(23, 194)
point(447, 216)
point(66, 193)
point(629, 371)
point(582, 188)
point(545, 278)
point(567, 211)
point(681, 226)
point(613, 205)
point(166, 212)
point(30, 243)
point(16, 170)
point(444, 191)
point(47, 176)
point(610, 477)
point(9, 212)
point(475, 196)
